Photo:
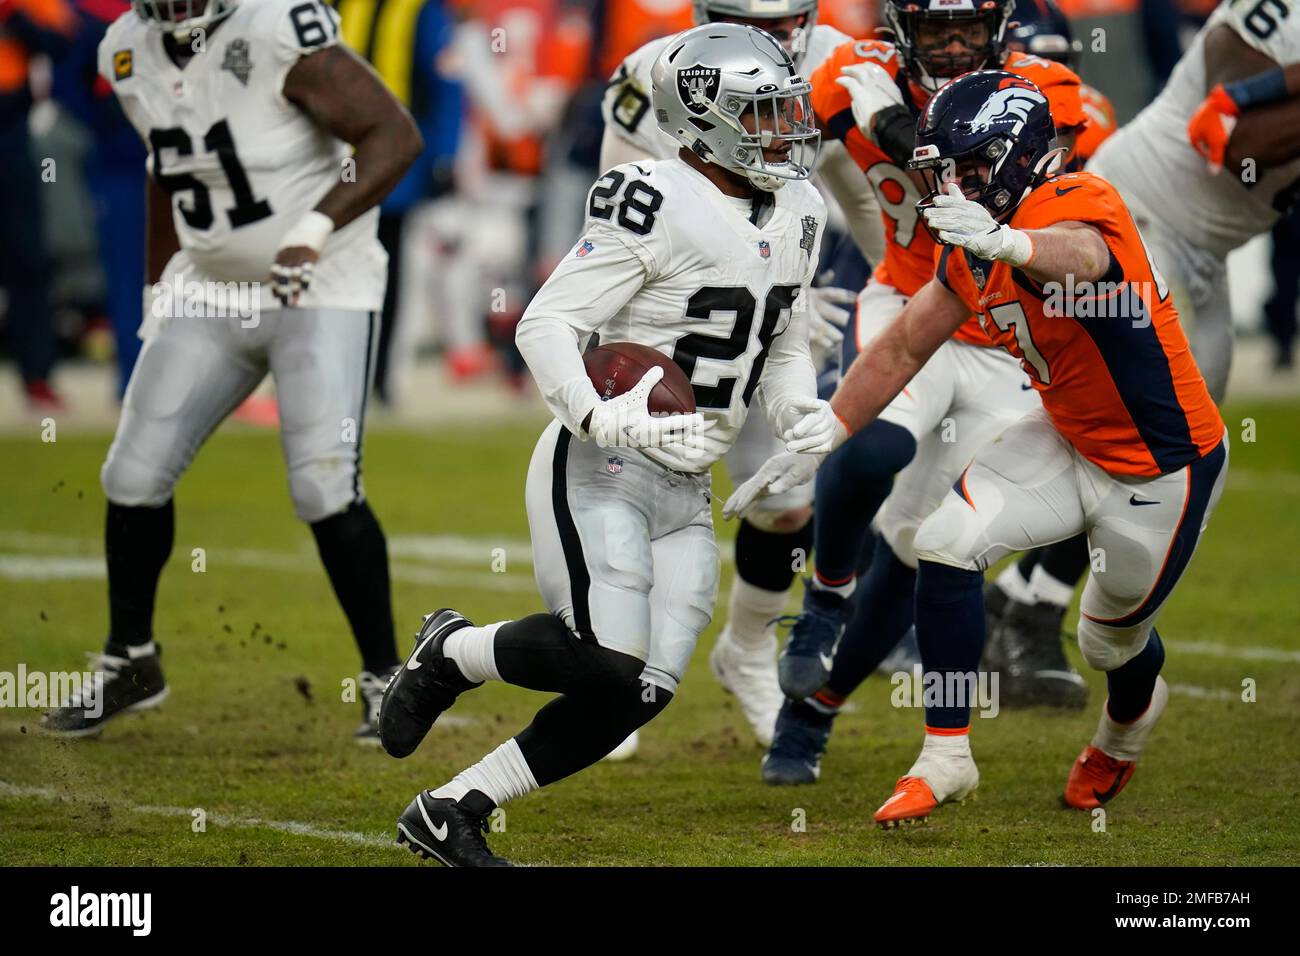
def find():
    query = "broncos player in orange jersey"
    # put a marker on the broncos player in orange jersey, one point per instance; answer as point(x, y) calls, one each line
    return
point(868, 95)
point(1128, 447)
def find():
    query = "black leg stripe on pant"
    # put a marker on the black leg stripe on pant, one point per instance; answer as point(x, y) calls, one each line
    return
point(579, 579)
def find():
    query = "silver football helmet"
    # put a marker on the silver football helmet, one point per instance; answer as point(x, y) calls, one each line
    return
point(181, 18)
point(727, 92)
point(727, 11)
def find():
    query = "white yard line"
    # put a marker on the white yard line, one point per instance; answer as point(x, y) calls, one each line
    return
point(295, 827)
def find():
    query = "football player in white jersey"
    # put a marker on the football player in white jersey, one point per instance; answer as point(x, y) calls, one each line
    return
point(744, 657)
point(706, 257)
point(1241, 48)
point(269, 146)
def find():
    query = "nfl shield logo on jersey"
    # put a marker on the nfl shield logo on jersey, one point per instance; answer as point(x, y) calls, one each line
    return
point(614, 466)
point(764, 249)
point(585, 248)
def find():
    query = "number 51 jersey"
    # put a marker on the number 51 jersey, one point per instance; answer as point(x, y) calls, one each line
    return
point(669, 261)
point(243, 164)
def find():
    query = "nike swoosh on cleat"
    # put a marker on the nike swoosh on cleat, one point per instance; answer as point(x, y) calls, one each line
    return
point(828, 661)
point(413, 663)
point(1135, 500)
point(1114, 789)
point(440, 832)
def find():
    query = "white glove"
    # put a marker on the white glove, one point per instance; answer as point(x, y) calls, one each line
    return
point(827, 319)
point(625, 421)
point(814, 427)
point(778, 474)
point(872, 89)
point(961, 222)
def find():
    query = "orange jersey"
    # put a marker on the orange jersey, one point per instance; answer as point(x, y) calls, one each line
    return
point(628, 25)
point(909, 248)
point(1101, 122)
point(1121, 386)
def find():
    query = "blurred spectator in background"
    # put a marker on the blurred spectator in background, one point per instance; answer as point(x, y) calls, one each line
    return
point(27, 28)
point(404, 41)
point(1129, 48)
point(114, 173)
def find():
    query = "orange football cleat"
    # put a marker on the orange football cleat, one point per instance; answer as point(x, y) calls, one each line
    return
point(912, 802)
point(1096, 778)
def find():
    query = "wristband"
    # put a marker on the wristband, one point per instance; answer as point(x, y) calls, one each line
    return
point(311, 231)
point(1017, 247)
point(1258, 90)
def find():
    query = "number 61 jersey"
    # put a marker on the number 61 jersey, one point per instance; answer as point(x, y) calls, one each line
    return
point(669, 261)
point(243, 164)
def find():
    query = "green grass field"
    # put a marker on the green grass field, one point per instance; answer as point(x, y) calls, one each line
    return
point(257, 736)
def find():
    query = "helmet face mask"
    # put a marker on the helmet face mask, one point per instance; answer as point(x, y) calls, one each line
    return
point(938, 40)
point(992, 134)
point(182, 18)
point(730, 94)
point(766, 15)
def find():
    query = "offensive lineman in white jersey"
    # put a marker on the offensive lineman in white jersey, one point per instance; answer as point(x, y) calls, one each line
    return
point(269, 147)
point(744, 657)
point(1238, 59)
point(706, 258)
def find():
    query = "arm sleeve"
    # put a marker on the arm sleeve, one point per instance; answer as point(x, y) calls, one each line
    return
point(849, 186)
point(588, 288)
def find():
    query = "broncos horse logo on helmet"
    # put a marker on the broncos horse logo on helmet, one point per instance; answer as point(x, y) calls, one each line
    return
point(992, 133)
point(1016, 100)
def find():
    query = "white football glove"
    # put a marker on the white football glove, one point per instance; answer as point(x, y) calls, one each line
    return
point(777, 475)
point(812, 427)
point(625, 420)
point(827, 319)
point(289, 282)
point(872, 89)
point(961, 222)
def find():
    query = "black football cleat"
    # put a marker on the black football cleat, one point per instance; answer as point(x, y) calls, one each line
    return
point(425, 686)
point(128, 685)
point(449, 831)
point(1025, 649)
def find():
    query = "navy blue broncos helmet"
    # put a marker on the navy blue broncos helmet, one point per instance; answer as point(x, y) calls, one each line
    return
point(992, 133)
point(1039, 27)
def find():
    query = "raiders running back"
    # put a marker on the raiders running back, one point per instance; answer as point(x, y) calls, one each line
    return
point(723, 297)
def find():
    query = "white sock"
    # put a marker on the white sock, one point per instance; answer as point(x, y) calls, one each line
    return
point(843, 590)
point(473, 649)
point(750, 610)
point(1127, 741)
point(1014, 585)
point(502, 775)
point(1048, 589)
point(944, 745)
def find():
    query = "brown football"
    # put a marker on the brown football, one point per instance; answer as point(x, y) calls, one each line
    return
point(616, 367)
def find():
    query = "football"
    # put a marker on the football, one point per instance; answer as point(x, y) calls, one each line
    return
point(616, 367)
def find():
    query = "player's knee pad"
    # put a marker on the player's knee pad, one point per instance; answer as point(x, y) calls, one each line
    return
point(779, 520)
point(947, 536)
point(133, 481)
point(1105, 648)
point(322, 487)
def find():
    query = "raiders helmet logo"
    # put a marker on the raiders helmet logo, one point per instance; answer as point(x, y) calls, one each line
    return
point(1011, 103)
point(697, 84)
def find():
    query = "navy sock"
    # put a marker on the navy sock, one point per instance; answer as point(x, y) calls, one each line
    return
point(1067, 560)
point(851, 485)
point(1130, 685)
point(881, 614)
point(949, 633)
